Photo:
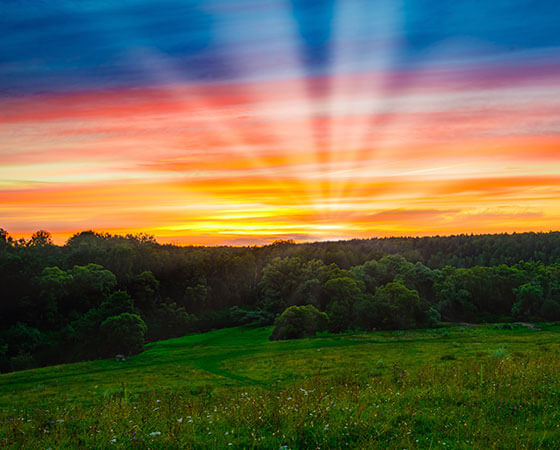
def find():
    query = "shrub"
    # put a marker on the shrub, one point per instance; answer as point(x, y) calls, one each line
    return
point(22, 337)
point(299, 321)
point(124, 333)
point(432, 317)
point(257, 317)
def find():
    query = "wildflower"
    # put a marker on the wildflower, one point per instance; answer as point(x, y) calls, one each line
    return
point(114, 440)
point(180, 420)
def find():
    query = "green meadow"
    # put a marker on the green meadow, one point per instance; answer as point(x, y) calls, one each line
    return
point(483, 386)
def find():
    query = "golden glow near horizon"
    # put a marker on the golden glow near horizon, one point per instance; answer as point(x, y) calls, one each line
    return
point(235, 177)
point(284, 145)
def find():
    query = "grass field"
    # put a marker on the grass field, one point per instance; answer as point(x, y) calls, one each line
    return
point(452, 387)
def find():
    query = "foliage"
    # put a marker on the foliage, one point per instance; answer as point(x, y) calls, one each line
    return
point(298, 322)
point(341, 294)
point(124, 333)
point(257, 317)
point(66, 292)
point(398, 307)
point(21, 338)
point(171, 320)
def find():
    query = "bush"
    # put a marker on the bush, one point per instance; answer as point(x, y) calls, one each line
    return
point(21, 337)
point(124, 333)
point(257, 317)
point(299, 321)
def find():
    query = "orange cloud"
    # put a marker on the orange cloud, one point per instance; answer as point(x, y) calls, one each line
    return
point(249, 163)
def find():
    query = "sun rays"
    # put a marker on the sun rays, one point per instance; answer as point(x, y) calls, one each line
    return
point(218, 122)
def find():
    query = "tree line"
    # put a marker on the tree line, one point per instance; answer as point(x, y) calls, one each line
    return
point(101, 294)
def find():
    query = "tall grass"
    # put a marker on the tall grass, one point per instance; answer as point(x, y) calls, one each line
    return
point(483, 402)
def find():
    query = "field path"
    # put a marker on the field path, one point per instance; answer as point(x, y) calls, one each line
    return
point(213, 365)
point(244, 356)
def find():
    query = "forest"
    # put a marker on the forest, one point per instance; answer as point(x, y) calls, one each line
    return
point(101, 294)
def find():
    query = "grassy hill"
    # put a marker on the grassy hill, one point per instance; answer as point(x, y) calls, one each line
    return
point(453, 387)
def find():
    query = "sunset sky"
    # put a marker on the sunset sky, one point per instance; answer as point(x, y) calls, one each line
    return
point(246, 121)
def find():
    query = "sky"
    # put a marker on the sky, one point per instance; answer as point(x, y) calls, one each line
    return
point(242, 122)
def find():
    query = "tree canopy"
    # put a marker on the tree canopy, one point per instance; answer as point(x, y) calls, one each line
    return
point(56, 297)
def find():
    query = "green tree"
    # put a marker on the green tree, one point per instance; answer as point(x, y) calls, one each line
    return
point(299, 321)
point(196, 297)
point(118, 302)
point(171, 320)
point(377, 273)
point(145, 290)
point(529, 298)
point(124, 333)
point(284, 284)
point(341, 294)
point(55, 284)
point(91, 285)
point(398, 307)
